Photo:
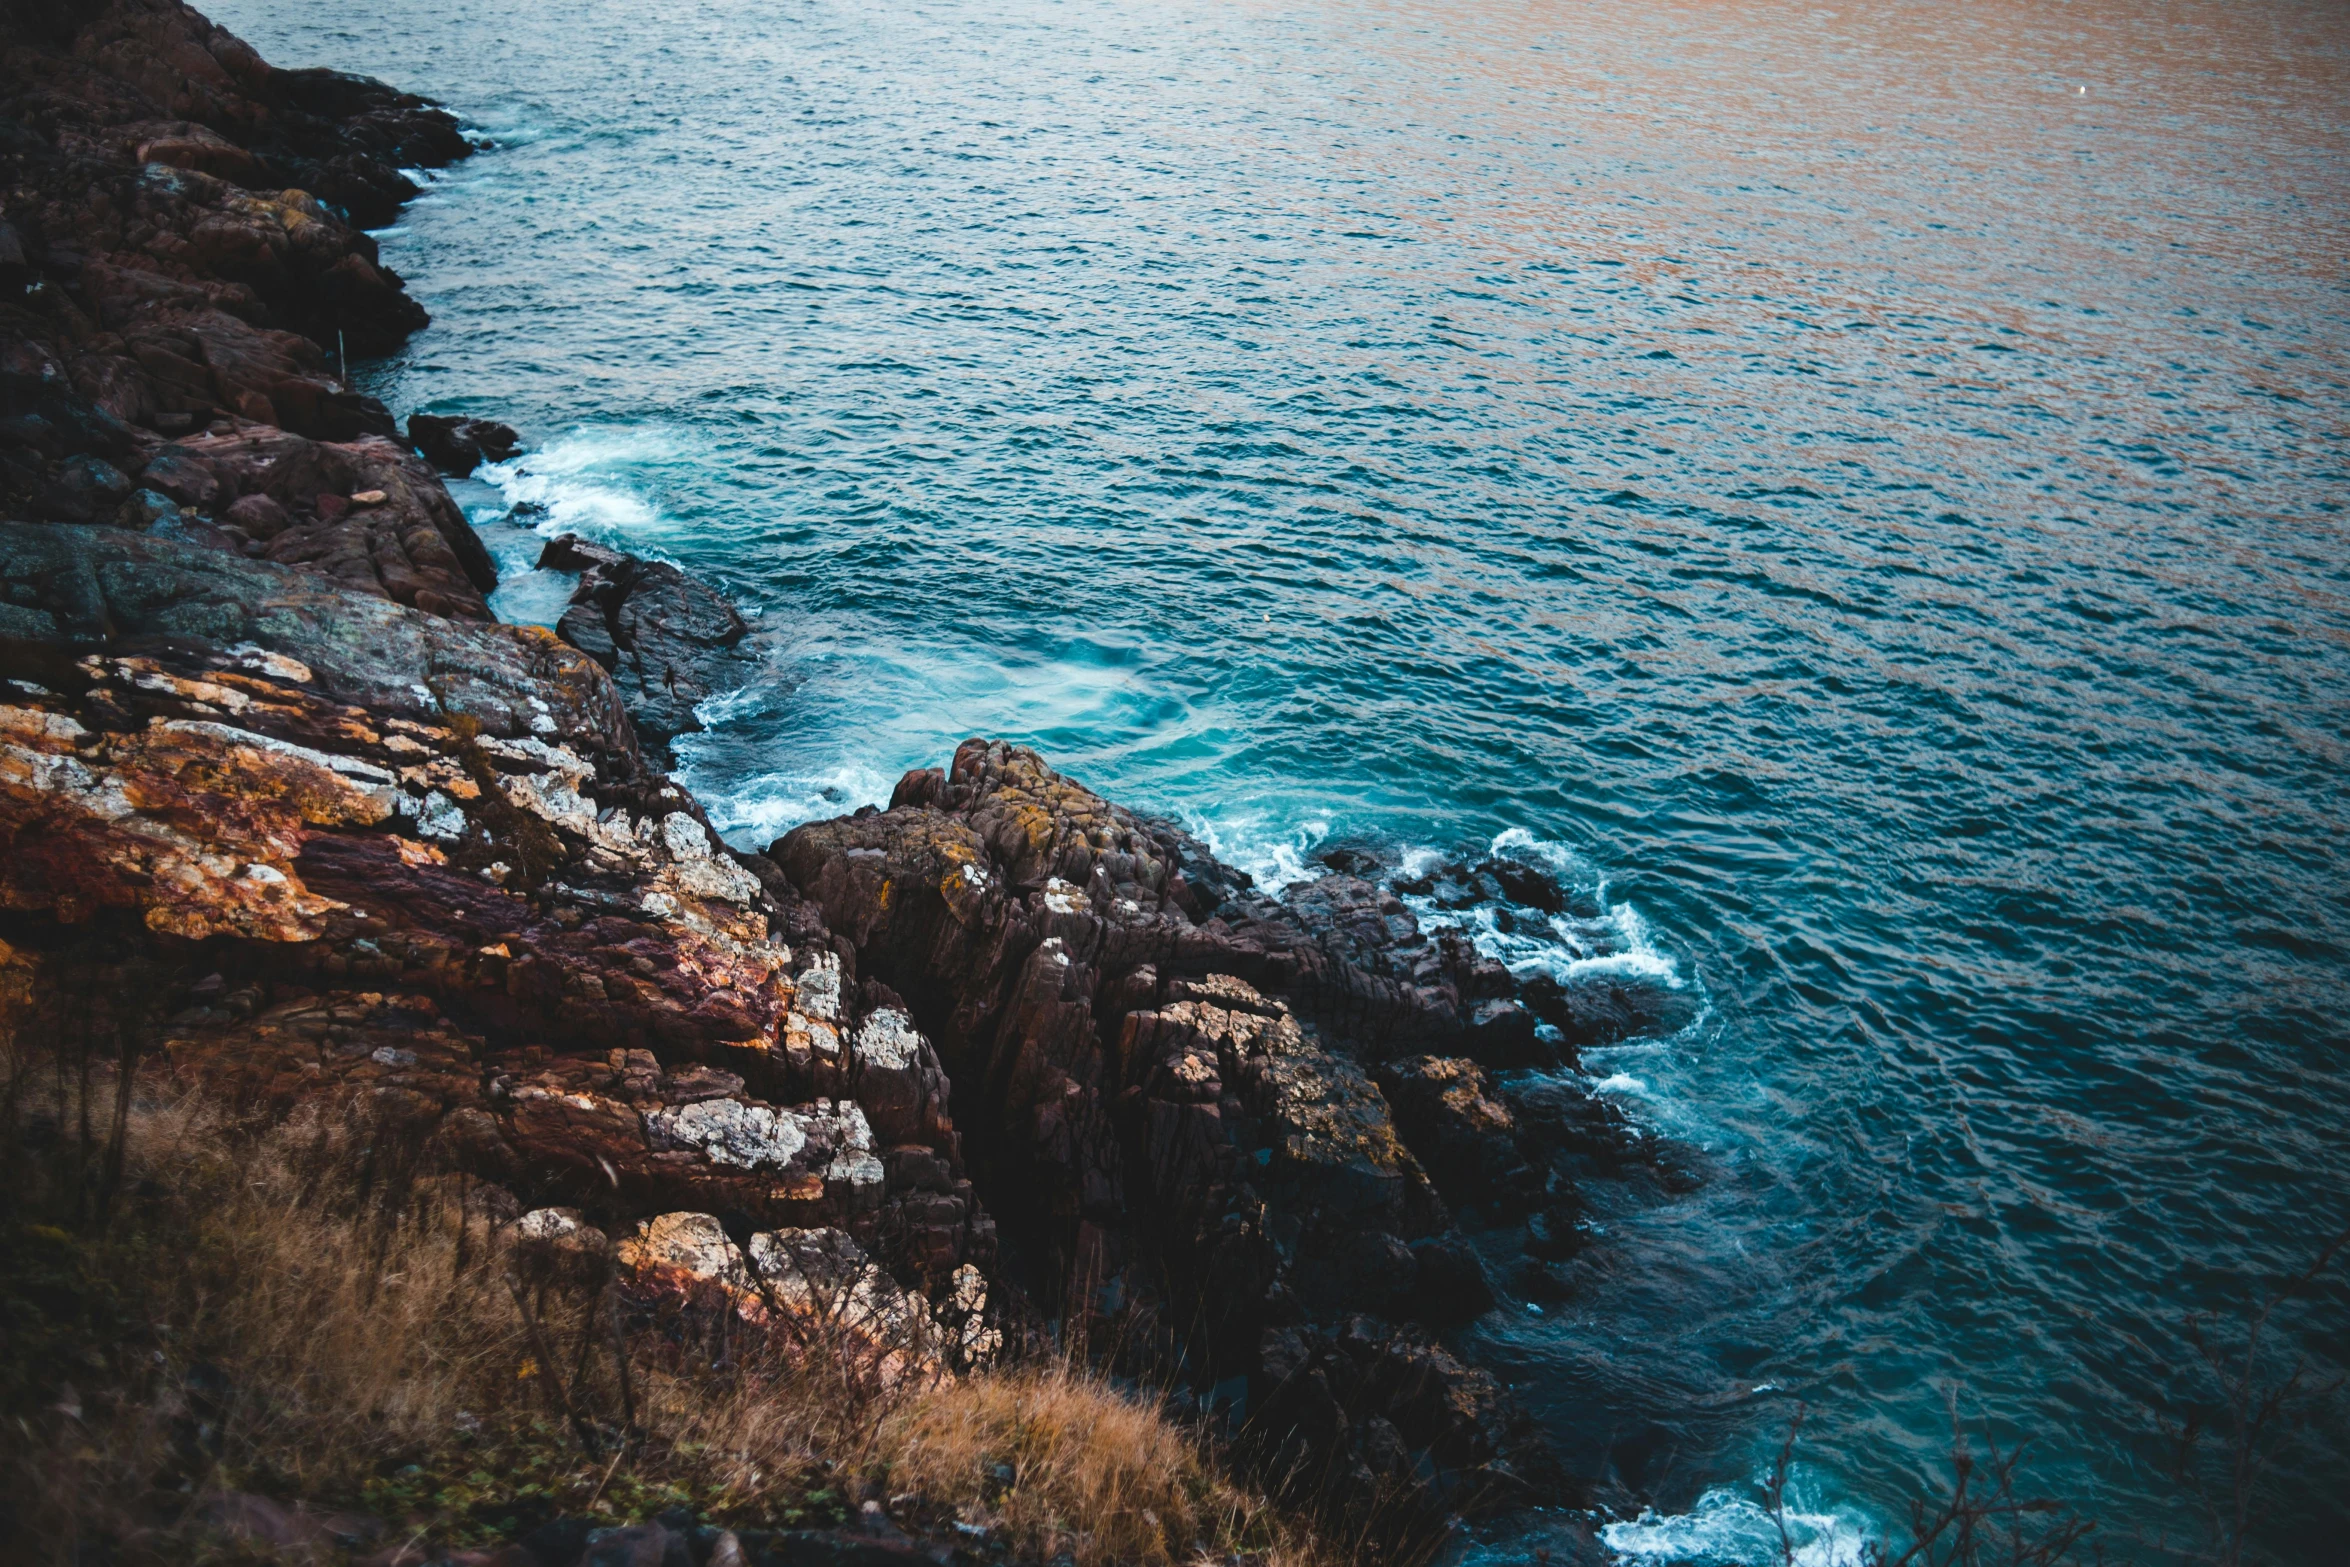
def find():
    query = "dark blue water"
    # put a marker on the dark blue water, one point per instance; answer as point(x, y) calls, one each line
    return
point(1863, 492)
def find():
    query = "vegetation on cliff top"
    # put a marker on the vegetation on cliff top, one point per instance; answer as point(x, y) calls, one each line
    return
point(201, 1312)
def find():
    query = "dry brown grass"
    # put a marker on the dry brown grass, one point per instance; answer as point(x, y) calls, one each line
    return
point(308, 1311)
point(1071, 1464)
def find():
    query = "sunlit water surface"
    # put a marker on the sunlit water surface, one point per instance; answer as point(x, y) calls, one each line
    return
point(1865, 485)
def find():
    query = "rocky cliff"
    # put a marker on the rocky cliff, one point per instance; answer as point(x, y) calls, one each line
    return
point(280, 795)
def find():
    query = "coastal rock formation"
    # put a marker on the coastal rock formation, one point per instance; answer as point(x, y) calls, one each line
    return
point(669, 639)
point(458, 446)
point(420, 862)
point(281, 800)
point(1166, 1070)
point(183, 268)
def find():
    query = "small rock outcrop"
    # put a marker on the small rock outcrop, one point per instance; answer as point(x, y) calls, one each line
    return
point(669, 639)
point(458, 446)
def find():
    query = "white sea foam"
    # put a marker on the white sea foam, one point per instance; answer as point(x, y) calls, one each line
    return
point(757, 811)
point(1276, 856)
point(1619, 1083)
point(1726, 1529)
point(745, 701)
point(1419, 862)
point(583, 481)
point(1516, 843)
point(1570, 948)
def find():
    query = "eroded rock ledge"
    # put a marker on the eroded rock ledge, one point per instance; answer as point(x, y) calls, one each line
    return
point(351, 848)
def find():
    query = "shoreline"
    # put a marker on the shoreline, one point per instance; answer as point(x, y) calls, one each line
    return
point(1041, 1069)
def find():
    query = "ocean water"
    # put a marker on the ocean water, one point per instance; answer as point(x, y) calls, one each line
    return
point(1859, 491)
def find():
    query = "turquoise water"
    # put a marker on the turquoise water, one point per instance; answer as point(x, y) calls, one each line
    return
point(1861, 493)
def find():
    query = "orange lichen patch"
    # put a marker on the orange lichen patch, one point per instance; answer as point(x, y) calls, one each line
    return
point(415, 854)
point(1464, 1095)
point(811, 1289)
point(198, 823)
point(175, 758)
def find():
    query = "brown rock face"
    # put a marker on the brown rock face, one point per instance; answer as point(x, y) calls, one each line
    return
point(1449, 1111)
point(1166, 1072)
point(399, 858)
point(182, 233)
point(411, 545)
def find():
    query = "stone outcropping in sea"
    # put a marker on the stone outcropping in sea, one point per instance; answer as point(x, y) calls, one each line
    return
point(670, 641)
point(184, 270)
point(1166, 1077)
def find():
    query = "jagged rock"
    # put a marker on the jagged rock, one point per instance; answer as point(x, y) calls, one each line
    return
point(667, 637)
point(258, 517)
point(1603, 1012)
point(1447, 1113)
point(1581, 1137)
point(815, 1289)
point(827, 1285)
point(413, 546)
point(1372, 1416)
point(458, 446)
point(86, 489)
point(559, 1245)
point(182, 475)
point(145, 509)
point(1159, 1075)
point(1502, 1034)
point(422, 848)
point(179, 264)
point(1449, 1284)
point(362, 845)
point(690, 1252)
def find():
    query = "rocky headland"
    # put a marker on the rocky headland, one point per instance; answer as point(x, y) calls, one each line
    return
point(1014, 1069)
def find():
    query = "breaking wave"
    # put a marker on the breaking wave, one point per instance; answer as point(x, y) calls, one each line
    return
point(1727, 1529)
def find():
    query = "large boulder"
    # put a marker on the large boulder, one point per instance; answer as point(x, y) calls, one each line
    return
point(366, 513)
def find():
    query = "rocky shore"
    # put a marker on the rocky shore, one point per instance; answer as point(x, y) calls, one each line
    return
point(1008, 1064)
